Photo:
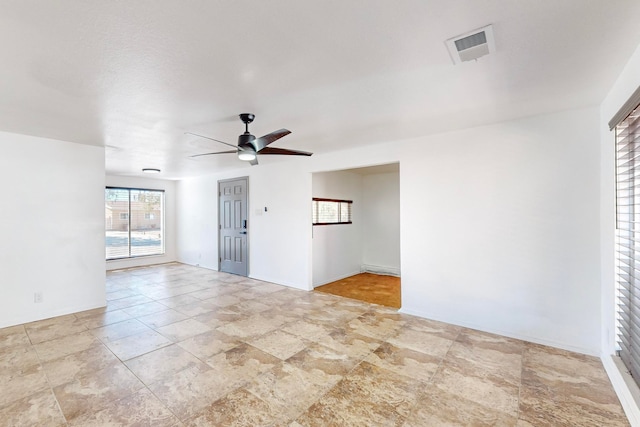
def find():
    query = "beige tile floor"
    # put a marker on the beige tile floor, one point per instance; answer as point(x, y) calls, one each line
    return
point(184, 346)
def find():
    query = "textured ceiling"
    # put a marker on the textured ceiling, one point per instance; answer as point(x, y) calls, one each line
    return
point(134, 76)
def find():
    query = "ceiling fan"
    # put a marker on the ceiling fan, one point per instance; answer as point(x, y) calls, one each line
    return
point(249, 146)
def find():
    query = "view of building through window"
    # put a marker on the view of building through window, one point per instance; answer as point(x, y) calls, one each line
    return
point(331, 211)
point(133, 222)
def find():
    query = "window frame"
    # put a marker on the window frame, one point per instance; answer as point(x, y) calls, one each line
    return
point(627, 254)
point(339, 202)
point(135, 199)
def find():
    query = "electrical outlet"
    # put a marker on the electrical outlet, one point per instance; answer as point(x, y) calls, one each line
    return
point(37, 297)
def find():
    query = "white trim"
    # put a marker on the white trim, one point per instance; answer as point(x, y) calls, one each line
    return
point(624, 386)
point(379, 269)
point(508, 334)
point(49, 314)
point(337, 278)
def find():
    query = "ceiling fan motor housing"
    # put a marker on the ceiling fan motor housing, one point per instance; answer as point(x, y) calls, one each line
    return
point(245, 141)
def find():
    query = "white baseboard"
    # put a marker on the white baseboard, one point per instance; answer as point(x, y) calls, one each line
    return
point(379, 269)
point(334, 279)
point(508, 334)
point(50, 314)
point(624, 386)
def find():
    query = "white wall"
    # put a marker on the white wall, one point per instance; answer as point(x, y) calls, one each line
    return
point(381, 222)
point(279, 239)
point(197, 221)
point(499, 229)
point(52, 228)
point(627, 83)
point(170, 235)
point(499, 225)
point(337, 249)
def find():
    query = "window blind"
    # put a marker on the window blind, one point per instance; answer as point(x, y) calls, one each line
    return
point(331, 211)
point(628, 239)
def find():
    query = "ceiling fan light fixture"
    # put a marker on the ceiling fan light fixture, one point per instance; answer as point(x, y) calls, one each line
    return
point(150, 170)
point(247, 155)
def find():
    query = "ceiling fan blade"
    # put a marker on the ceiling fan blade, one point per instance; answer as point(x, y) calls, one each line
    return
point(218, 152)
point(285, 151)
point(206, 137)
point(267, 139)
point(254, 161)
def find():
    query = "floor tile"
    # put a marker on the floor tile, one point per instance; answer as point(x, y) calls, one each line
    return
point(94, 391)
point(120, 330)
point(104, 318)
point(374, 326)
point(369, 395)
point(162, 318)
point(239, 364)
point(163, 363)
point(251, 326)
point(432, 327)
point(290, 390)
point(438, 408)
point(488, 353)
point(209, 343)
point(51, 329)
point(250, 307)
point(129, 301)
point(404, 361)
point(190, 391)
point(254, 353)
point(38, 409)
point(219, 317)
point(183, 329)
point(196, 308)
point(481, 387)
point(423, 342)
point(13, 336)
point(60, 347)
point(319, 357)
point(173, 302)
point(279, 344)
point(68, 368)
point(144, 309)
point(141, 408)
point(18, 384)
point(345, 341)
point(137, 345)
point(224, 300)
point(18, 358)
point(238, 408)
point(308, 330)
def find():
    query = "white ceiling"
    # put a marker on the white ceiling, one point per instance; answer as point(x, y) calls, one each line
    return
point(133, 76)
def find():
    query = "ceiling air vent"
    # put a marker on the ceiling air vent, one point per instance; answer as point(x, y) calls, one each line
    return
point(472, 45)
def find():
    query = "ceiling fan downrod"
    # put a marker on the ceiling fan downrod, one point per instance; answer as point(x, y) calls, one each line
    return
point(246, 119)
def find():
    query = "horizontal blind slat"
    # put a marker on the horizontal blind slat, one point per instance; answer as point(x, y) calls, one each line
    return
point(628, 235)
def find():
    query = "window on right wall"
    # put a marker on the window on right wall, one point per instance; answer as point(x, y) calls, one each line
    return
point(331, 211)
point(627, 126)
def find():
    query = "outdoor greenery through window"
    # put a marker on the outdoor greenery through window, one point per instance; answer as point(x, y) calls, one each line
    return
point(134, 222)
point(331, 211)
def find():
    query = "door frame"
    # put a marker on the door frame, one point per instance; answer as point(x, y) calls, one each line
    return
point(220, 181)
